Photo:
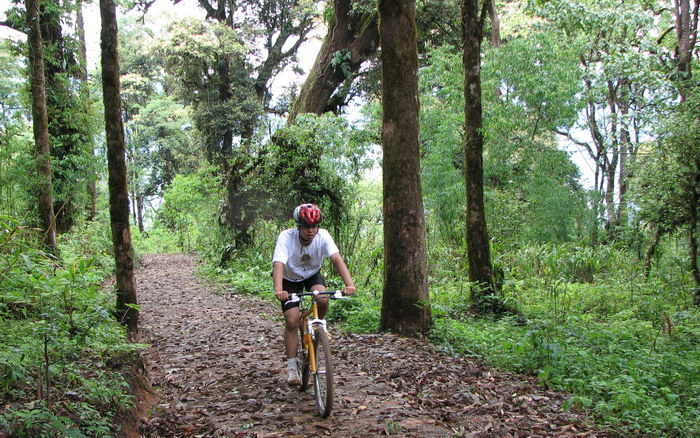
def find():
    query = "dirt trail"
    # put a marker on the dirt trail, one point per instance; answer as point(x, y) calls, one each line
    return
point(216, 364)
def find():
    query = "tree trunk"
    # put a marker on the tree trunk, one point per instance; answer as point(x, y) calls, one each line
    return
point(354, 33)
point(118, 190)
point(405, 307)
point(651, 250)
point(625, 149)
point(495, 34)
point(85, 90)
point(41, 127)
point(692, 235)
point(139, 212)
point(478, 250)
point(62, 103)
point(686, 32)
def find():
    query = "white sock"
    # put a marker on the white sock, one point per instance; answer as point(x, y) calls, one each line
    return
point(292, 363)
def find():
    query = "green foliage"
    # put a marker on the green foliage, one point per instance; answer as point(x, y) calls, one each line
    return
point(360, 236)
point(666, 174)
point(614, 366)
point(16, 160)
point(341, 60)
point(537, 73)
point(208, 71)
point(531, 188)
point(189, 211)
point(61, 351)
point(314, 160)
point(624, 346)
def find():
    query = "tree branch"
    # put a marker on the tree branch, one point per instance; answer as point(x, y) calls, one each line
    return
point(12, 26)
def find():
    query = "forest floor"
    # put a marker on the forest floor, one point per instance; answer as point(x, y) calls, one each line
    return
point(215, 368)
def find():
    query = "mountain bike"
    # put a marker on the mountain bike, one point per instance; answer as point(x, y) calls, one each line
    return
point(314, 349)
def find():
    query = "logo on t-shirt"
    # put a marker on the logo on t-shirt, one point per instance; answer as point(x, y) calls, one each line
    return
point(305, 259)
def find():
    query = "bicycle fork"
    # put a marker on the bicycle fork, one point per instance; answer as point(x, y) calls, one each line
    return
point(309, 337)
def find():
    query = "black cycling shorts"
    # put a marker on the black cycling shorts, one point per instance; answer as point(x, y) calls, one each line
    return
point(294, 287)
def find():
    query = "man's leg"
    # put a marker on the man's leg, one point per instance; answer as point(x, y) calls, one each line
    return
point(292, 315)
point(291, 326)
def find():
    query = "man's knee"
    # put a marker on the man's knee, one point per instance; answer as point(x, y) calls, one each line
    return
point(291, 322)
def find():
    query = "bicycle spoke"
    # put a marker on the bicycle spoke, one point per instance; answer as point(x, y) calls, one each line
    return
point(302, 365)
point(323, 378)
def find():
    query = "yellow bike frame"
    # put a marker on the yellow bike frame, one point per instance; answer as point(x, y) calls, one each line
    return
point(308, 340)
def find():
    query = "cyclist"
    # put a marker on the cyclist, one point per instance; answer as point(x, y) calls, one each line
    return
point(296, 265)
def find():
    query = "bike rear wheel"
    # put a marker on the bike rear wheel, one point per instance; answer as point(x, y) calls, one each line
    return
point(323, 378)
point(302, 362)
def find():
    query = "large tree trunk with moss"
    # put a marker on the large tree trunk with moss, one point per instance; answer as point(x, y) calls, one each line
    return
point(405, 307)
point(484, 288)
point(66, 133)
point(41, 126)
point(116, 161)
point(350, 40)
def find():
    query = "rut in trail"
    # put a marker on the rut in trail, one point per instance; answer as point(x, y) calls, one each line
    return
point(215, 361)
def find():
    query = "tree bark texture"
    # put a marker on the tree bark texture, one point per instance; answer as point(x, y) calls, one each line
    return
point(66, 135)
point(405, 307)
point(693, 234)
point(495, 33)
point(85, 90)
point(686, 32)
point(116, 161)
point(41, 126)
point(356, 33)
point(478, 250)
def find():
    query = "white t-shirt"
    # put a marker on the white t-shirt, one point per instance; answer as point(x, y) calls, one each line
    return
point(301, 262)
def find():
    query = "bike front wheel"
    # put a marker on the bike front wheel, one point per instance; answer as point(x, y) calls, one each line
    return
point(302, 360)
point(323, 378)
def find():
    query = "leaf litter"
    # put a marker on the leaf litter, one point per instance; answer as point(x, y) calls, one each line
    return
point(216, 365)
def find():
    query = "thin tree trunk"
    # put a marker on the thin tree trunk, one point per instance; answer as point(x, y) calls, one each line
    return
point(686, 32)
point(651, 250)
point(612, 161)
point(692, 235)
point(683, 33)
point(139, 210)
point(405, 307)
point(85, 90)
point(478, 250)
point(495, 34)
point(118, 190)
point(41, 126)
point(625, 148)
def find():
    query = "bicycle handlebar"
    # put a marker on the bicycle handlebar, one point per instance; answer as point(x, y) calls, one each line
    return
point(333, 295)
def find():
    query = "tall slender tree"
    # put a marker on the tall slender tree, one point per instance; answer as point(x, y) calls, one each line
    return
point(116, 162)
point(405, 307)
point(85, 92)
point(41, 126)
point(481, 275)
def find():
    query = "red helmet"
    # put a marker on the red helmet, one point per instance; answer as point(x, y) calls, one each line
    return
point(307, 214)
